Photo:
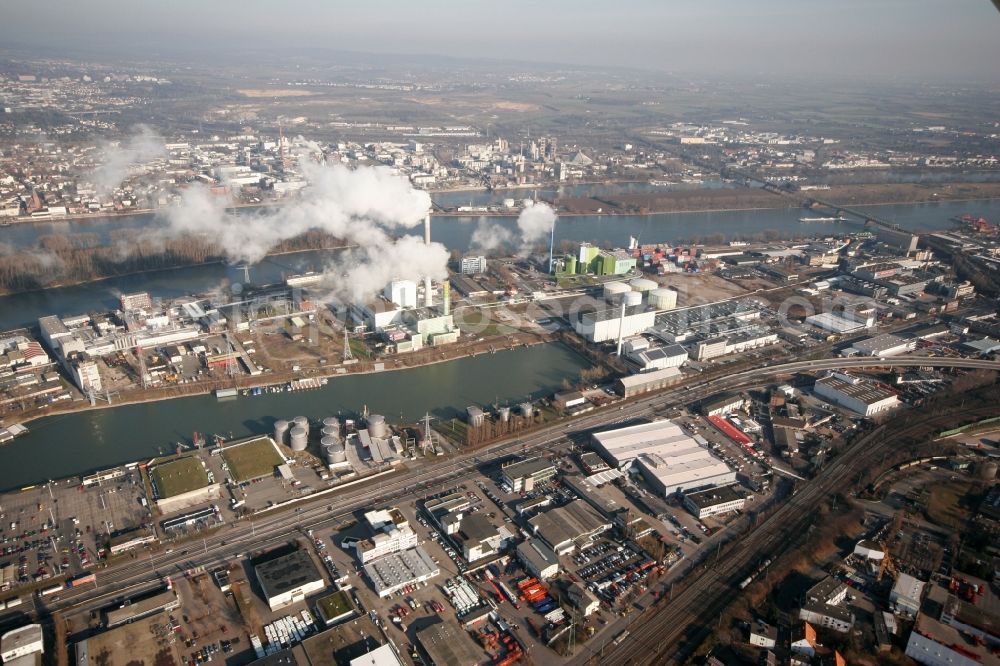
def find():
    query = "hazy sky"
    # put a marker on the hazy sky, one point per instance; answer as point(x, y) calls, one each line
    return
point(924, 38)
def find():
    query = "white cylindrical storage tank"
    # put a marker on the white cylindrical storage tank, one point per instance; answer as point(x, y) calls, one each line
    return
point(505, 414)
point(301, 422)
point(336, 454)
point(330, 431)
point(643, 284)
point(280, 430)
point(331, 422)
point(329, 441)
point(526, 409)
point(377, 426)
point(299, 438)
point(613, 290)
point(663, 298)
point(632, 298)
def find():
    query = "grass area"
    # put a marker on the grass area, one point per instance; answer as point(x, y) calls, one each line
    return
point(178, 477)
point(335, 605)
point(251, 460)
point(945, 505)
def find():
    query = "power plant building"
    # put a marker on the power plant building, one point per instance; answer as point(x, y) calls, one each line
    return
point(606, 325)
point(402, 293)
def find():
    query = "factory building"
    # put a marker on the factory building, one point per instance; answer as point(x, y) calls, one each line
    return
point(668, 458)
point(378, 314)
point(22, 642)
point(479, 538)
point(906, 594)
point(685, 469)
point(645, 357)
point(713, 502)
point(721, 405)
point(855, 394)
point(473, 265)
point(138, 608)
point(883, 345)
point(393, 572)
point(524, 474)
point(733, 344)
point(565, 528)
point(288, 579)
point(538, 559)
point(648, 381)
point(837, 324)
point(605, 325)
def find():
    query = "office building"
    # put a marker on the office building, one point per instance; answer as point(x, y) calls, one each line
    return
point(473, 265)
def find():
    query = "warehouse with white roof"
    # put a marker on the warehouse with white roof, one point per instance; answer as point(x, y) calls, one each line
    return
point(669, 459)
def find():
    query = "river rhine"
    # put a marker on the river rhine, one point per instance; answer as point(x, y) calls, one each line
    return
point(70, 444)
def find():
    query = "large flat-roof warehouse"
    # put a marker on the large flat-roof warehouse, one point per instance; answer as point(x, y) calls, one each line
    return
point(669, 458)
point(288, 578)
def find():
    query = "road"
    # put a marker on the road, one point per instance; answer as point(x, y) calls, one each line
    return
point(334, 509)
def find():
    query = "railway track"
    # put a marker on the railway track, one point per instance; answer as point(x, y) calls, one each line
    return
point(669, 631)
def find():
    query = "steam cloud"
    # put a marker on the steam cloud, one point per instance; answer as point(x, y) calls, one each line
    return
point(360, 206)
point(533, 224)
point(141, 147)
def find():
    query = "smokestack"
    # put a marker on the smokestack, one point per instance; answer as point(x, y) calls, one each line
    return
point(621, 326)
point(428, 295)
point(552, 243)
point(447, 297)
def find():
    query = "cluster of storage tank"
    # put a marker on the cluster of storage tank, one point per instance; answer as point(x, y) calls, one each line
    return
point(632, 293)
point(331, 443)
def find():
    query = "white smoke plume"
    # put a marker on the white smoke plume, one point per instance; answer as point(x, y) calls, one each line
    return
point(142, 147)
point(535, 222)
point(533, 225)
point(360, 206)
point(358, 274)
point(489, 236)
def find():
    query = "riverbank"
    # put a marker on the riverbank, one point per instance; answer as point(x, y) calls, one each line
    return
point(167, 269)
point(695, 200)
point(160, 394)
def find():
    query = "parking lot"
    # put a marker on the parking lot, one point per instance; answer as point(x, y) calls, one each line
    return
point(60, 527)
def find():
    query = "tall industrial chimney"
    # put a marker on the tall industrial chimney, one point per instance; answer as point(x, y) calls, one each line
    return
point(428, 295)
point(621, 327)
point(447, 298)
point(552, 243)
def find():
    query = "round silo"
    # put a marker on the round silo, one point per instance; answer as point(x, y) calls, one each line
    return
point(632, 298)
point(614, 290)
point(643, 285)
point(505, 414)
point(377, 426)
point(331, 422)
point(526, 409)
point(280, 431)
point(663, 298)
point(330, 431)
point(336, 454)
point(571, 264)
point(299, 438)
point(301, 422)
